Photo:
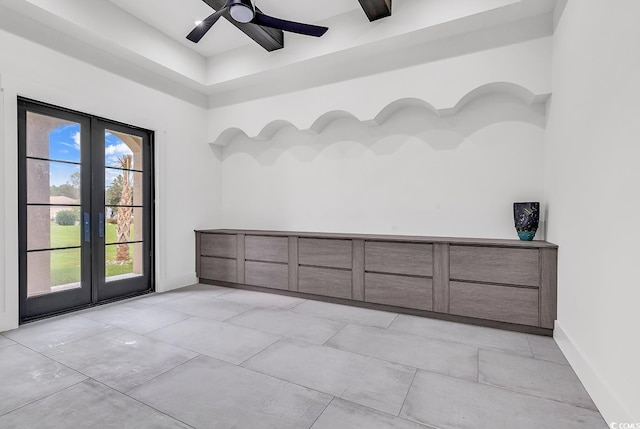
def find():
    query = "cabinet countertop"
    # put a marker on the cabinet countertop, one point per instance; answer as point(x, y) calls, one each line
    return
point(535, 244)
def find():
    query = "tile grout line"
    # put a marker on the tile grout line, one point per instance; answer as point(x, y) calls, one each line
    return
point(297, 305)
point(327, 393)
point(189, 317)
point(144, 404)
point(331, 337)
point(231, 322)
point(453, 341)
point(390, 361)
point(228, 319)
point(390, 415)
point(531, 347)
point(283, 380)
point(260, 351)
point(158, 375)
point(415, 372)
point(110, 328)
point(44, 397)
point(392, 322)
point(325, 409)
point(533, 353)
point(57, 362)
point(512, 390)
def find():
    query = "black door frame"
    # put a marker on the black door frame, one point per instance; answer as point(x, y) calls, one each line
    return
point(89, 294)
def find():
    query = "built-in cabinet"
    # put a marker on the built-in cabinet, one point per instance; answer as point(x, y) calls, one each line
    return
point(504, 283)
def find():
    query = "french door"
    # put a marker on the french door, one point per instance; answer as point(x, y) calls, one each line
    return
point(86, 210)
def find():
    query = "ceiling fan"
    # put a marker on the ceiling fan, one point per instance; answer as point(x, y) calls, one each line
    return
point(244, 12)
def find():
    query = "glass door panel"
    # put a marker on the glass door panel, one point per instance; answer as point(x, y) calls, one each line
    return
point(54, 182)
point(124, 205)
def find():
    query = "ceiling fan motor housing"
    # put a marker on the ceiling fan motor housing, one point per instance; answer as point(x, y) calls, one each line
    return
point(241, 10)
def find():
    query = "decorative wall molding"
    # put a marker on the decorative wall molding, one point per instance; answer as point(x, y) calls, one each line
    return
point(513, 90)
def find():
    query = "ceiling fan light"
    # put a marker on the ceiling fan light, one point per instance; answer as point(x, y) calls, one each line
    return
point(241, 13)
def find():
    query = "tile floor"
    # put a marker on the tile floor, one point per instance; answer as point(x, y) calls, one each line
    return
point(211, 357)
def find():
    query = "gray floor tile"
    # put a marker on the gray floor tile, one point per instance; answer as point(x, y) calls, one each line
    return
point(341, 414)
point(50, 333)
point(88, 405)
point(346, 314)
point(135, 317)
point(26, 376)
point(259, 299)
point(157, 298)
point(203, 290)
point(545, 348)
point(535, 377)
point(289, 324)
point(451, 403)
point(209, 291)
point(478, 336)
point(120, 359)
point(223, 341)
point(4, 341)
point(457, 360)
point(207, 393)
point(197, 305)
point(366, 381)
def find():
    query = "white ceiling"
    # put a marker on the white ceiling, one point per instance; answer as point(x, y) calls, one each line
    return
point(177, 22)
point(145, 40)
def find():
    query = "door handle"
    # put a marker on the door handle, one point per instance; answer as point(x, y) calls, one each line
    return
point(101, 225)
point(86, 222)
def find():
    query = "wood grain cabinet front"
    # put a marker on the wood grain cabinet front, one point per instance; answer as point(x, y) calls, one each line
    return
point(399, 258)
point(265, 274)
point(220, 245)
point(266, 249)
point(498, 283)
point(399, 291)
point(221, 269)
point(325, 281)
point(495, 265)
point(495, 302)
point(325, 253)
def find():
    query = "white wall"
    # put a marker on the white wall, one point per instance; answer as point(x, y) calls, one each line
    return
point(417, 173)
point(188, 171)
point(594, 198)
point(421, 171)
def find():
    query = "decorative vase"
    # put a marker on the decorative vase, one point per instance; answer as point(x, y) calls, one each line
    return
point(526, 217)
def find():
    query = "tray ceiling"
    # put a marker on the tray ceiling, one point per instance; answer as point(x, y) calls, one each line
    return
point(145, 40)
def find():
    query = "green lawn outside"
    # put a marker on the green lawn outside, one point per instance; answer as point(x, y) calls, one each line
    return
point(65, 264)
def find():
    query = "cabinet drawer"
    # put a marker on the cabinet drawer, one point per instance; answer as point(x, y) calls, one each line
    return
point(401, 291)
point(224, 270)
point(495, 265)
point(325, 281)
point(264, 274)
point(493, 302)
point(400, 258)
point(221, 245)
point(268, 249)
point(325, 253)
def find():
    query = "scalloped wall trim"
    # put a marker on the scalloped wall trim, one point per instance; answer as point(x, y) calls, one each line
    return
point(319, 125)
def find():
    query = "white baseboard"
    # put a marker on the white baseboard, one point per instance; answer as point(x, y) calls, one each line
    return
point(176, 282)
point(607, 401)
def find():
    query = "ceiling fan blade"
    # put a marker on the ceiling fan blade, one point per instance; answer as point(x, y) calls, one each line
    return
point(202, 28)
point(290, 26)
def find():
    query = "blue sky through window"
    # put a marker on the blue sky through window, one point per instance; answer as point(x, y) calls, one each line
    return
point(64, 145)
